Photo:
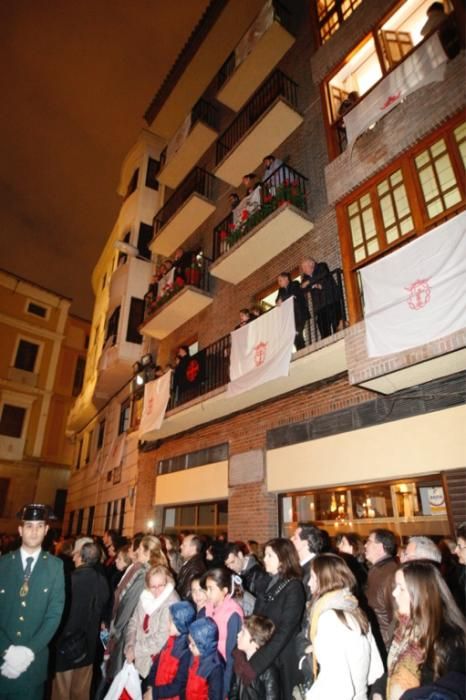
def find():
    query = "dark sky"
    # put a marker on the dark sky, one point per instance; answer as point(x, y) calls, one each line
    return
point(75, 78)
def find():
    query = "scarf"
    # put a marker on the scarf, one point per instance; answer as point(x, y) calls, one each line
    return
point(342, 599)
point(405, 659)
point(151, 604)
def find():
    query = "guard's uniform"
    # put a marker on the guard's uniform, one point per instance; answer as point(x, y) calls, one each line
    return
point(29, 620)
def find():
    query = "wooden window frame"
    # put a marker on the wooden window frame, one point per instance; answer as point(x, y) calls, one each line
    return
point(422, 222)
point(338, 10)
point(332, 124)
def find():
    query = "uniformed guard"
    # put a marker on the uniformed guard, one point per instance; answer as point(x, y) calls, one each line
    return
point(32, 596)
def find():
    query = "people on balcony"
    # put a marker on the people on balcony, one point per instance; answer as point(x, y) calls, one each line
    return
point(439, 20)
point(286, 289)
point(244, 318)
point(181, 362)
point(317, 281)
point(271, 164)
point(252, 201)
point(181, 262)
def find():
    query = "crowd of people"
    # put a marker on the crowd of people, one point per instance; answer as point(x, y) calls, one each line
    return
point(307, 617)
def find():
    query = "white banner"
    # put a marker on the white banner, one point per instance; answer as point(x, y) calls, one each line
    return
point(165, 283)
point(261, 350)
point(156, 397)
point(417, 293)
point(425, 65)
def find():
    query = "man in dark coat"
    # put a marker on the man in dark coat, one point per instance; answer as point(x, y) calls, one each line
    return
point(89, 594)
point(287, 289)
point(238, 560)
point(193, 565)
point(380, 553)
point(317, 281)
point(32, 596)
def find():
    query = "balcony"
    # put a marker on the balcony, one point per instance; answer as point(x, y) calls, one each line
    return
point(188, 207)
point(247, 240)
point(204, 400)
point(197, 133)
point(267, 120)
point(177, 302)
point(259, 51)
point(129, 279)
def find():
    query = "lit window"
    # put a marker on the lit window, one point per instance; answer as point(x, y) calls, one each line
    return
point(394, 206)
point(360, 72)
point(460, 138)
point(437, 178)
point(363, 230)
point(332, 13)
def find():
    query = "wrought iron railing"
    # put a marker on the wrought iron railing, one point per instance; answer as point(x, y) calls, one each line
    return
point(282, 15)
point(196, 275)
point(198, 180)
point(277, 85)
point(209, 368)
point(284, 185)
point(204, 111)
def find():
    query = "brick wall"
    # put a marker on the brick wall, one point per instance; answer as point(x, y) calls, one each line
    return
point(361, 368)
point(418, 115)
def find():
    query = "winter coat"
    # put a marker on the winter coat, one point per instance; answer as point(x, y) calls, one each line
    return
point(283, 602)
point(89, 594)
point(147, 634)
point(191, 568)
point(379, 595)
point(264, 687)
point(170, 669)
point(205, 678)
point(228, 617)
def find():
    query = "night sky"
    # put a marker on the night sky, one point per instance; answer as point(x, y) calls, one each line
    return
point(76, 78)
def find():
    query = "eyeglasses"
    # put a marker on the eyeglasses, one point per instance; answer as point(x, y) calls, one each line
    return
point(460, 546)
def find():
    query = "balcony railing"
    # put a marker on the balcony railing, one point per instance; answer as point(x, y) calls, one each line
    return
point(197, 181)
point(278, 85)
point(282, 15)
point(284, 185)
point(213, 362)
point(202, 111)
point(197, 275)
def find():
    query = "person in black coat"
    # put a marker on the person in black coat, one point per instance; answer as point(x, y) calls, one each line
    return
point(287, 289)
point(256, 632)
point(89, 594)
point(317, 281)
point(282, 601)
point(193, 565)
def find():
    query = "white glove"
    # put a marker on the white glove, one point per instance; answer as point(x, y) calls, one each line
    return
point(18, 658)
point(7, 671)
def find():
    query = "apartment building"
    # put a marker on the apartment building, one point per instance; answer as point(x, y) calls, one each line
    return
point(362, 105)
point(42, 360)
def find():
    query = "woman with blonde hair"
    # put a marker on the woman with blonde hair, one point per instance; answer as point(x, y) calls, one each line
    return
point(345, 657)
point(430, 634)
point(149, 627)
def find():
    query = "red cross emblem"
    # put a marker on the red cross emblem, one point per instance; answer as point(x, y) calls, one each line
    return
point(419, 294)
point(260, 353)
point(390, 100)
point(192, 370)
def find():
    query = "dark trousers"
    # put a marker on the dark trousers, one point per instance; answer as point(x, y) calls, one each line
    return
point(328, 319)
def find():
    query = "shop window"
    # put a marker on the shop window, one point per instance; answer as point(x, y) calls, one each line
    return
point(26, 355)
point(331, 14)
point(203, 518)
point(411, 507)
point(12, 420)
point(440, 187)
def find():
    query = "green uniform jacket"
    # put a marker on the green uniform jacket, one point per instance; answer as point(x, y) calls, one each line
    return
point(30, 621)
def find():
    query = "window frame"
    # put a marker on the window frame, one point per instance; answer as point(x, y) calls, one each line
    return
point(39, 304)
point(10, 404)
point(124, 420)
point(421, 221)
point(332, 125)
point(38, 359)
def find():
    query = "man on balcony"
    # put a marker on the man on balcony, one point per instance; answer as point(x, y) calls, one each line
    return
point(317, 281)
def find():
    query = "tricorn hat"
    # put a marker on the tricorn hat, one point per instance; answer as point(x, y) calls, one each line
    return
point(36, 511)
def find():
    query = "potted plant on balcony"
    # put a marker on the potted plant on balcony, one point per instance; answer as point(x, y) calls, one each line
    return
point(193, 273)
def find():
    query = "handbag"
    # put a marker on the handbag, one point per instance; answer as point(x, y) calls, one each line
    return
point(126, 684)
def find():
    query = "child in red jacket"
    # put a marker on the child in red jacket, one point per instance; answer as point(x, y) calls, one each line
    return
point(170, 669)
point(206, 669)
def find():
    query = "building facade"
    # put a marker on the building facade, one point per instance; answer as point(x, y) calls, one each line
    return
point(338, 94)
point(43, 354)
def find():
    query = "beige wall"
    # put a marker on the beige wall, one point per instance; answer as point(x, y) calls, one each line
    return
point(207, 483)
point(418, 445)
